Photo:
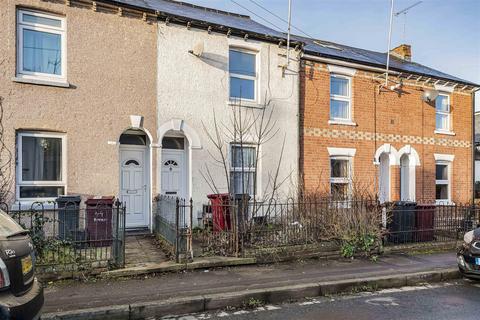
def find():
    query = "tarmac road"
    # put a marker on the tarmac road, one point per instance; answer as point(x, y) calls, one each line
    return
point(451, 300)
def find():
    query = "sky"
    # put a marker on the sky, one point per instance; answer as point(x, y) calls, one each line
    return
point(444, 34)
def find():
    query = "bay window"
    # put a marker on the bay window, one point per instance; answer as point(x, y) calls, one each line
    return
point(41, 166)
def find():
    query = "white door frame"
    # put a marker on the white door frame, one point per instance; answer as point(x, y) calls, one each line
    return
point(175, 127)
point(186, 170)
point(147, 177)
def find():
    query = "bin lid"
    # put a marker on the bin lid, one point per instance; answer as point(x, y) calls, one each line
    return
point(69, 198)
point(404, 203)
point(241, 196)
point(100, 200)
point(218, 195)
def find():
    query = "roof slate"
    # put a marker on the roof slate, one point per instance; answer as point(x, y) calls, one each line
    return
point(312, 46)
point(343, 52)
point(189, 11)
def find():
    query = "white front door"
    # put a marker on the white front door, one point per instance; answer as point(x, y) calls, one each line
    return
point(407, 179)
point(384, 179)
point(133, 190)
point(174, 173)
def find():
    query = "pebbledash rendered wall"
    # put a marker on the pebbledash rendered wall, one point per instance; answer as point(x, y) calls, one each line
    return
point(111, 68)
point(191, 89)
point(399, 120)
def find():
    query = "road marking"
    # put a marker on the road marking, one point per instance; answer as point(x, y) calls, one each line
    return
point(241, 312)
point(372, 298)
point(385, 301)
point(270, 307)
point(308, 303)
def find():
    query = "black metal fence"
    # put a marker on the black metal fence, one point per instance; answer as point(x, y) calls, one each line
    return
point(172, 223)
point(230, 227)
point(233, 226)
point(414, 223)
point(67, 236)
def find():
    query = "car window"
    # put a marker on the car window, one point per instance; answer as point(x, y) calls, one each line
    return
point(8, 226)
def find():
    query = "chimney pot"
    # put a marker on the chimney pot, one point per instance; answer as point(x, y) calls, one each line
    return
point(403, 51)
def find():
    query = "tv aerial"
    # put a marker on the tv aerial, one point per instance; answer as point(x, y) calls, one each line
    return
point(404, 12)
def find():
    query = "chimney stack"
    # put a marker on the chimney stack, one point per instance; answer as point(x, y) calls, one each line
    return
point(403, 51)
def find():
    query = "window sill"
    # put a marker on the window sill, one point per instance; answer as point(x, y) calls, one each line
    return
point(448, 133)
point(245, 103)
point(43, 82)
point(343, 123)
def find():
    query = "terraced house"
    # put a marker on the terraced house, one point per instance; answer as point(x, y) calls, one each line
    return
point(76, 80)
point(117, 98)
point(406, 139)
point(144, 98)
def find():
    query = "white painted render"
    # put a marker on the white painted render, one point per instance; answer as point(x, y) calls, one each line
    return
point(191, 88)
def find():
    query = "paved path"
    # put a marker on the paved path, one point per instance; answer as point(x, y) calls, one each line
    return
point(76, 295)
point(458, 300)
point(142, 249)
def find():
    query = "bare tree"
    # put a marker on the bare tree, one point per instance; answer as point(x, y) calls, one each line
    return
point(237, 144)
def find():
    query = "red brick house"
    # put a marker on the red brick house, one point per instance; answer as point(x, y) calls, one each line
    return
point(409, 139)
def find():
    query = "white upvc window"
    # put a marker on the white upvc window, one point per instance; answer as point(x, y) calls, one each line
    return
point(41, 46)
point(340, 177)
point(243, 165)
point(340, 98)
point(442, 113)
point(41, 166)
point(243, 74)
point(443, 181)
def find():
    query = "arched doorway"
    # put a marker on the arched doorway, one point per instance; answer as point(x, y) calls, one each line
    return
point(407, 179)
point(384, 179)
point(134, 161)
point(385, 157)
point(172, 134)
point(409, 159)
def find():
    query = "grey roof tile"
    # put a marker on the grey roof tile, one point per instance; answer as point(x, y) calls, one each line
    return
point(315, 47)
point(343, 52)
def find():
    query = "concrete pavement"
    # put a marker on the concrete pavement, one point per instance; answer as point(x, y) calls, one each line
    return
point(218, 288)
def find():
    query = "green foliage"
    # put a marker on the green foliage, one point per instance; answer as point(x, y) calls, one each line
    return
point(253, 303)
point(364, 244)
point(48, 249)
point(347, 249)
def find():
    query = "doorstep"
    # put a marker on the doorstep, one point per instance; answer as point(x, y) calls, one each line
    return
point(170, 266)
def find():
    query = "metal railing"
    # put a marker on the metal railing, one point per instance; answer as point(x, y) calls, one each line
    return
point(230, 227)
point(415, 223)
point(173, 224)
point(67, 236)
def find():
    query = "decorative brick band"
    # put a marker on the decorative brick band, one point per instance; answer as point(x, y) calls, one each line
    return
point(387, 137)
